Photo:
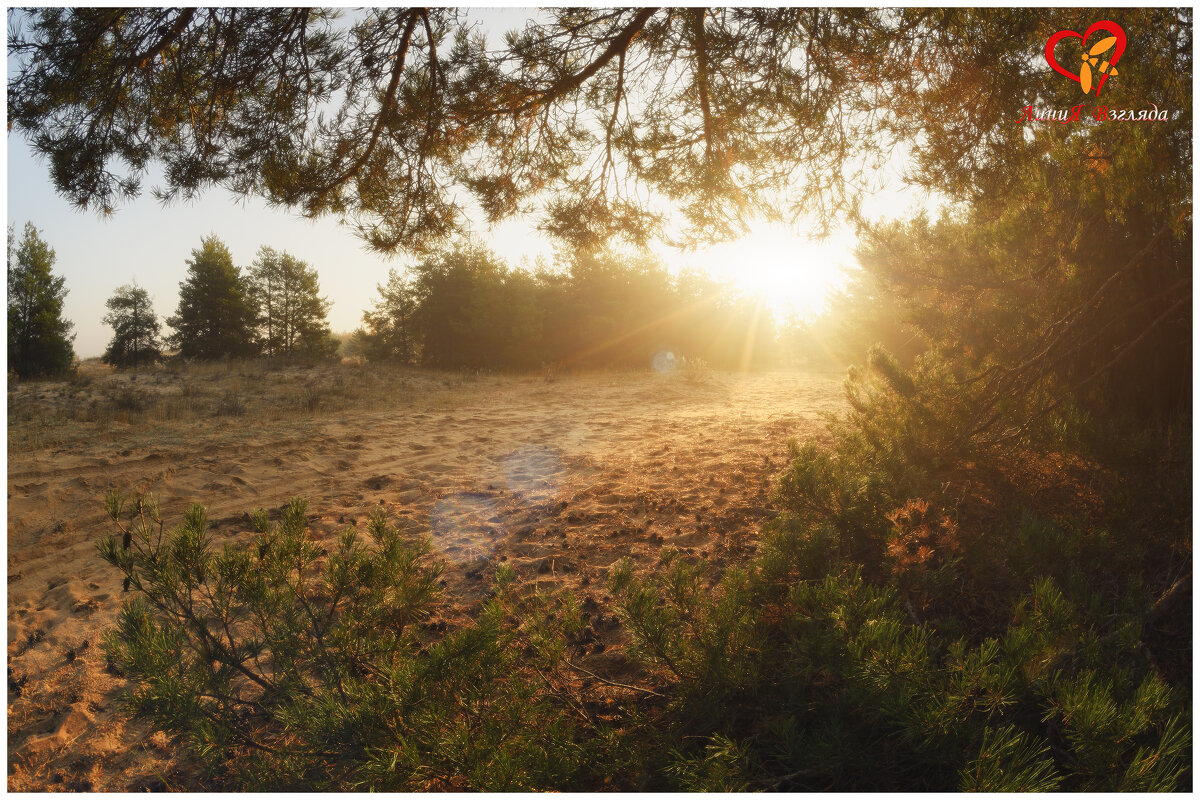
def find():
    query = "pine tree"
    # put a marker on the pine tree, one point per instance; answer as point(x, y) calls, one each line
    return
point(391, 334)
point(39, 339)
point(215, 317)
point(752, 105)
point(291, 312)
point(135, 327)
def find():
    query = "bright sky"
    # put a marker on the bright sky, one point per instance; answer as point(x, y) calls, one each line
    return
point(149, 243)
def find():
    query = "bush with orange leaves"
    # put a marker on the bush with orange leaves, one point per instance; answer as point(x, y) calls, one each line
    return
point(922, 549)
point(917, 541)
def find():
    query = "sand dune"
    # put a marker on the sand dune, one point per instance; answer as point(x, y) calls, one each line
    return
point(559, 479)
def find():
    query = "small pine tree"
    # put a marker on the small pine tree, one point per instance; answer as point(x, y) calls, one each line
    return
point(135, 327)
point(39, 339)
point(295, 665)
point(291, 311)
point(215, 317)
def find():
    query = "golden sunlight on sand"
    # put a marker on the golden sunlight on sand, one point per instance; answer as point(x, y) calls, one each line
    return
point(559, 478)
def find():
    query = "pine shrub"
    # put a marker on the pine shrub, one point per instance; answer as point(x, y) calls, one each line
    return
point(286, 665)
point(797, 673)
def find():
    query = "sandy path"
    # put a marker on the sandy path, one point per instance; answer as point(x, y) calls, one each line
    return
point(560, 479)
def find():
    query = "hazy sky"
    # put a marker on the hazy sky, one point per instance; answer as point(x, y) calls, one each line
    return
point(149, 243)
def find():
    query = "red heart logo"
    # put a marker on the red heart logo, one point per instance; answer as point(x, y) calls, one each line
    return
point(1104, 25)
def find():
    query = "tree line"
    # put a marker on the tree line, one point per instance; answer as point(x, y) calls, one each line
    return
point(273, 308)
point(462, 307)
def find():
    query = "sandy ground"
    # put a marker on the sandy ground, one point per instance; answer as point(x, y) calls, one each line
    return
point(560, 478)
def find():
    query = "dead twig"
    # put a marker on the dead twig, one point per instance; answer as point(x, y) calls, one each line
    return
point(604, 680)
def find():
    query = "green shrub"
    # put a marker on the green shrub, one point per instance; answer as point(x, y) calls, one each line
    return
point(891, 448)
point(286, 666)
point(796, 673)
point(914, 585)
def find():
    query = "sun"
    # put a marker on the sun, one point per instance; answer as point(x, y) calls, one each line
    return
point(791, 274)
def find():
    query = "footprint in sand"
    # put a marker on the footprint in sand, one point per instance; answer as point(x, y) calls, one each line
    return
point(380, 482)
point(534, 473)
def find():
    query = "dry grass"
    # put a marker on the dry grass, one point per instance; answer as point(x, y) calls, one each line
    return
point(98, 399)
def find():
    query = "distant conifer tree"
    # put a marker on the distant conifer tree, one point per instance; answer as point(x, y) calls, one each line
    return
point(390, 334)
point(291, 311)
point(39, 339)
point(215, 317)
point(136, 339)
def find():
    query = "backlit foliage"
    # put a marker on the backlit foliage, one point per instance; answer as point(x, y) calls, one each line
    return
point(591, 117)
point(464, 307)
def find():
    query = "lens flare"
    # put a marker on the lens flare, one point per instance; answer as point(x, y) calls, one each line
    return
point(665, 361)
